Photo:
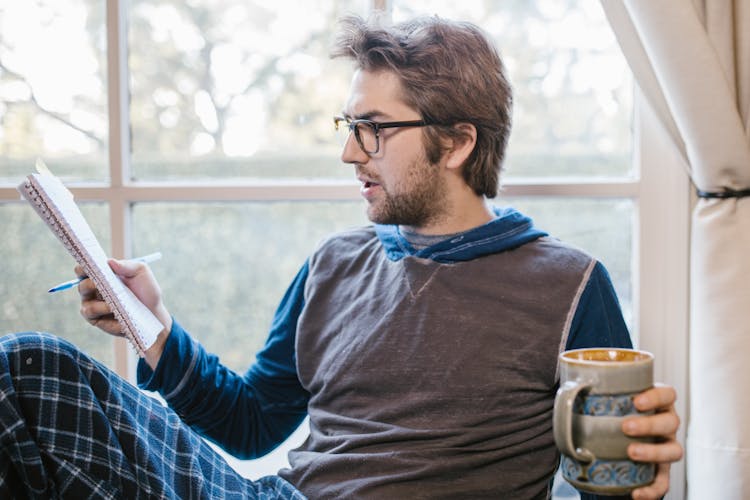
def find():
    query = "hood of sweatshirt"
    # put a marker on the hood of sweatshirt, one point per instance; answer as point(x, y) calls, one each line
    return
point(509, 229)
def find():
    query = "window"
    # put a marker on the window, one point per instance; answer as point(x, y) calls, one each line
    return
point(52, 105)
point(202, 129)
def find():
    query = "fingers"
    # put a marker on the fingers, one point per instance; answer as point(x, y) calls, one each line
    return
point(87, 290)
point(108, 324)
point(664, 424)
point(666, 452)
point(658, 488)
point(126, 268)
point(138, 278)
point(659, 397)
point(92, 309)
point(98, 313)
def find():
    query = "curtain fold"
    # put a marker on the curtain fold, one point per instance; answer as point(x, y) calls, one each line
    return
point(692, 63)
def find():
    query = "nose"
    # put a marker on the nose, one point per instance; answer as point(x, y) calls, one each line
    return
point(352, 153)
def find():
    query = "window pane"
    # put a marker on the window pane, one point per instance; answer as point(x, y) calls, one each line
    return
point(236, 88)
point(53, 92)
point(602, 227)
point(35, 261)
point(227, 265)
point(572, 86)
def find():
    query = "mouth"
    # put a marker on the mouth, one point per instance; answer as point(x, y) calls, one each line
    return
point(366, 180)
point(368, 188)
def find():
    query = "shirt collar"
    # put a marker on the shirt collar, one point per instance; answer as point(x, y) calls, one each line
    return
point(509, 229)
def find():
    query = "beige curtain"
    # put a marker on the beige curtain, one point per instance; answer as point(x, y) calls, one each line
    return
point(691, 59)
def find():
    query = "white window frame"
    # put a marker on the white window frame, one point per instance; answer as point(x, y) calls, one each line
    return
point(662, 267)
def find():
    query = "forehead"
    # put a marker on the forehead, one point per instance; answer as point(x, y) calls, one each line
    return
point(377, 95)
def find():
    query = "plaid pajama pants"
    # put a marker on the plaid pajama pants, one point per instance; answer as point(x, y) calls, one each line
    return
point(71, 428)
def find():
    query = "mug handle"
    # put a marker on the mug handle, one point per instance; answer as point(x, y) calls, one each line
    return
point(563, 420)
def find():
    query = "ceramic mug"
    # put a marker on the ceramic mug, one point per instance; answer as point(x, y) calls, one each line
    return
point(597, 387)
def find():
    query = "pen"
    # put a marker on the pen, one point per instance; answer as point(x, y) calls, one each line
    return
point(70, 284)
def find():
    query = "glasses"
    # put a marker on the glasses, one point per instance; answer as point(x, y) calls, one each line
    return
point(367, 132)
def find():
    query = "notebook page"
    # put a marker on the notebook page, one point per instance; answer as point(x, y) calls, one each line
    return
point(80, 235)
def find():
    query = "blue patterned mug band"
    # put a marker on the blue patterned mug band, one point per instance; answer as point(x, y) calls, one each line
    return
point(617, 405)
point(613, 477)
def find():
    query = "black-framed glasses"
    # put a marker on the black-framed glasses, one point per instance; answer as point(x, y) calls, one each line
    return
point(367, 132)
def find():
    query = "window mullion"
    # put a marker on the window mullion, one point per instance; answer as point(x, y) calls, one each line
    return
point(117, 83)
point(119, 141)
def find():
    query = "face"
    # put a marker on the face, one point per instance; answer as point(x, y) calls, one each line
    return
point(398, 183)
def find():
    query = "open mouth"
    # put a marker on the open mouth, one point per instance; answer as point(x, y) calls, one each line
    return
point(369, 189)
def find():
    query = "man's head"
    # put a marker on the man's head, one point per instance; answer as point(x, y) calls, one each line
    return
point(450, 73)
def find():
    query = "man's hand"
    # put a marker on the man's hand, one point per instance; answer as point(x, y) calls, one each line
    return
point(138, 277)
point(663, 425)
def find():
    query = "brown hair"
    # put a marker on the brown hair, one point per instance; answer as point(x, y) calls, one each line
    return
point(450, 73)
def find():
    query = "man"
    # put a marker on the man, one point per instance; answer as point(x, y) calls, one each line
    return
point(424, 348)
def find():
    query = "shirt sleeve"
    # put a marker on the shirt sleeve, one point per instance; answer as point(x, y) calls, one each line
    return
point(598, 320)
point(247, 415)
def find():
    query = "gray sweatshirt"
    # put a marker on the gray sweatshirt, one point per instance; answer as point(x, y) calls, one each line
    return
point(432, 379)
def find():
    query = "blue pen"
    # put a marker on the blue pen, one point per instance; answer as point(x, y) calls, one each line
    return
point(70, 284)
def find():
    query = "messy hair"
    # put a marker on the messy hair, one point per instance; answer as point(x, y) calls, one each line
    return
point(450, 73)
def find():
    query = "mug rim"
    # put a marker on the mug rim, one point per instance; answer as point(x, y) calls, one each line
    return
point(570, 356)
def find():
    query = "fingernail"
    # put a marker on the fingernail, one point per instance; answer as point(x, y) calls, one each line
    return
point(630, 426)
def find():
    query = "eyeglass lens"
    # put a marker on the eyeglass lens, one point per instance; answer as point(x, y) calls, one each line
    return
point(364, 133)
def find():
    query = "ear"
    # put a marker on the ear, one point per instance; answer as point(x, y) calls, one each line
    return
point(458, 150)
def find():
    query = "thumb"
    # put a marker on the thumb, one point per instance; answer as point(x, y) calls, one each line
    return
point(125, 268)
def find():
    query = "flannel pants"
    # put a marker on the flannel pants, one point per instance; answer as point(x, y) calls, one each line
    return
point(71, 428)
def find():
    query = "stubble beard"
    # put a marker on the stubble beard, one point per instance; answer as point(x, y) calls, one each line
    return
point(419, 201)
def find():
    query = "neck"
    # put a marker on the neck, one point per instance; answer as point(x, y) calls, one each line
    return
point(463, 214)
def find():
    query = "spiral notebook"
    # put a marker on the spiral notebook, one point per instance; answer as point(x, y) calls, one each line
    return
point(54, 203)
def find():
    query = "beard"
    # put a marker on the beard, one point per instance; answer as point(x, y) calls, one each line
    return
point(418, 200)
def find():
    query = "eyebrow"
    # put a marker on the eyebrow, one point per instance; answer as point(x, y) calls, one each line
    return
point(368, 115)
